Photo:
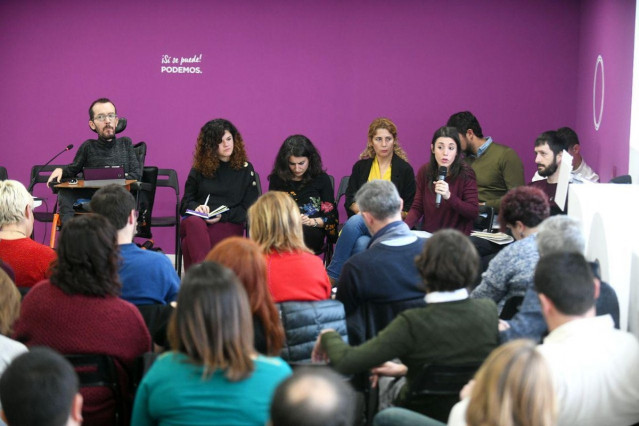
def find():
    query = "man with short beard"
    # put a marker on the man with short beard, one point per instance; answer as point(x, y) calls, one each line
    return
point(549, 147)
point(107, 150)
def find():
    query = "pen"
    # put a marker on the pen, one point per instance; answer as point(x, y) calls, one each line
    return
point(206, 203)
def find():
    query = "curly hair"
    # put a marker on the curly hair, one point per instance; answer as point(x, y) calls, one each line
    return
point(457, 168)
point(382, 123)
point(206, 159)
point(526, 204)
point(87, 262)
point(297, 146)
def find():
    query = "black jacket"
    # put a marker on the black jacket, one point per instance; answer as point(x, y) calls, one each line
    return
point(303, 321)
point(402, 175)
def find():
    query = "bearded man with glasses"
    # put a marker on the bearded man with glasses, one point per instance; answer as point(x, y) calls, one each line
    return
point(107, 150)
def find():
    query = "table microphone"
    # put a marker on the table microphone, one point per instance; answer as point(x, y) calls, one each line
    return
point(442, 175)
point(35, 175)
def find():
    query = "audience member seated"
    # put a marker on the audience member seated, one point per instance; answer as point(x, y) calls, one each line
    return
point(451, 329)
point(510, 273)
point(512, 387)
point(549, 148)
point(29, 260)
point(580, 170)
point(107, 150)
point(9, 311)
point(78, 311)
point(314, 396)
point(595, 368)
point(41, 388)
point(213, 374)
point(220, 176)
point(147, 276)
point(457, 207)
point(294, 272)
point(298, 171)
point(556, 234)
point(245, 258)
point(385, 273)
point(383, 159)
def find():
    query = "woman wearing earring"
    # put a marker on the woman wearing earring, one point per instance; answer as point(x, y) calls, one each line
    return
point(451, 202)
point(220, 176)
point(298, 171)
point(384, 159)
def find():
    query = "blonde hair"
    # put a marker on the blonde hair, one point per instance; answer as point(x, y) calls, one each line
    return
point(14, 199)
point(513, 387)
point(9, 304)
point(275, 223)
point(382, 123)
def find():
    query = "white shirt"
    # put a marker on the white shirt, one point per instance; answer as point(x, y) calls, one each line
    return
point(582, 173)
point(595, 370)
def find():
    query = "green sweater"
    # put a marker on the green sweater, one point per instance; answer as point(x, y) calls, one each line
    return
point(498, 169)
point(460, 332)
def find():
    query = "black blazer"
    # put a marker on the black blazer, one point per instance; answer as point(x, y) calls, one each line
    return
point(402, 175)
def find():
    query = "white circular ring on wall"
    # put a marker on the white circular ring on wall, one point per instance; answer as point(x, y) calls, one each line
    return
point(597, 118)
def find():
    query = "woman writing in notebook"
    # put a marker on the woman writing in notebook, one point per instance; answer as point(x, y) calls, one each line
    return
point(220, 176)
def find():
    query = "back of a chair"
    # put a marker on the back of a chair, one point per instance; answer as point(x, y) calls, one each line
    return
point(435, 389)
point(259, 184)
point(156, 316)
point(626, 179)
point(3, 173)
point(341, 191)
point(511, 307)
point(372, 317)
point(485, 219)
point(303, 321)
point(97, 370)
point(140, 152)
point(168, 178)
point(39, 175)
point(146, 199)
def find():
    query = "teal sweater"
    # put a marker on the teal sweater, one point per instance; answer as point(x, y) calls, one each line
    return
point(173, 392)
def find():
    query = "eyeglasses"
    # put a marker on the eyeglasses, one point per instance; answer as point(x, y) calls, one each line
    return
point(102, 118)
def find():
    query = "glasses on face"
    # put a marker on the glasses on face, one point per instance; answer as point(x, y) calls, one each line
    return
point(104, 117)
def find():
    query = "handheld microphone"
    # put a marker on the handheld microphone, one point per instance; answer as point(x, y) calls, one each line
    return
point(35, 175)
point(442, 175)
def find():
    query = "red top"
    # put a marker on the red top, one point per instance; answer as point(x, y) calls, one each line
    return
point(297, 276)
point(29, 260)
point(77, 324)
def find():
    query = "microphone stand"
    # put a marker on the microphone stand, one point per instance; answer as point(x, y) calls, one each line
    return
point(35, 175)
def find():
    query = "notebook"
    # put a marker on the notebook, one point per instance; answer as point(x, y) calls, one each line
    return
point(96, 177)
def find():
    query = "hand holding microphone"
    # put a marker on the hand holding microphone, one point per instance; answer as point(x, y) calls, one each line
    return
point(441, 186)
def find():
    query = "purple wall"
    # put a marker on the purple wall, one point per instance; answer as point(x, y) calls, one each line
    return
point(606, 29)
point(325, 69)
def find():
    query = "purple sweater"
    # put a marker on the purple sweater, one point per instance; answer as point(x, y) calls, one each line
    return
point(458, 212)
